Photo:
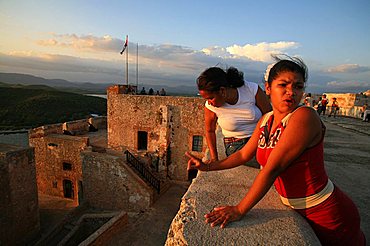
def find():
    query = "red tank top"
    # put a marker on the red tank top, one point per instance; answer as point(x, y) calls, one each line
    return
point(306, 175)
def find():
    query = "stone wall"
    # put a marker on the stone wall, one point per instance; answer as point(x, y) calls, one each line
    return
point(58, 161)
point(268, 223)
point(350, 104)
point(19, 210)
point(77, 126)
point(170, 122)
point(110, 184)
point(54, 155)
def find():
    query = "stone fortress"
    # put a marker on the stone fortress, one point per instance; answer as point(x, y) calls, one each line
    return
point(122, 162)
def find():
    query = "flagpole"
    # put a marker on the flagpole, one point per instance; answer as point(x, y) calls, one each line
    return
point(137, 65)
point(127, 62)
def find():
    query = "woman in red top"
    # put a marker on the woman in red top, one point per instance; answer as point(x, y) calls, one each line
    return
point(294, 164)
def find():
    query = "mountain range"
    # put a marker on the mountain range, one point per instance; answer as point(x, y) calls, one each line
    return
point(84, 87)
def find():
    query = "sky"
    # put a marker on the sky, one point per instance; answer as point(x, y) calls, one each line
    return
point(81, 40)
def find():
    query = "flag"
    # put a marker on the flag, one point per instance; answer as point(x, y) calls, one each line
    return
point(125, 45)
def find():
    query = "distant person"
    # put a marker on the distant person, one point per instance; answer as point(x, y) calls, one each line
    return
point(306, 103)
point(334, 108)
point(143, 92)
point(157, 94)
point(236, 105)
point(319, 106)
point(289, 143)
point(162, 92)
point(129, 90)
point(363, 109)
point(366, 113)
point(309, 100)
point(324, 103)
point(151, 91)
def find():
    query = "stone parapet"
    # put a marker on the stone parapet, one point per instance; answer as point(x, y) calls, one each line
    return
point(46, 130)
point(268, 223)
point(77, 127)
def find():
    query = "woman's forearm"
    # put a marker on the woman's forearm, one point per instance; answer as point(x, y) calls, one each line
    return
point(258, 190)
point(232, 161)
point(212, 145)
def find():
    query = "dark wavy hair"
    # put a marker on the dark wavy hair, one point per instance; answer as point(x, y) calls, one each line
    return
point(213, 78)
point(285, 63)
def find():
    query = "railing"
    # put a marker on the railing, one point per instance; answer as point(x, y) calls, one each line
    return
point(144, 172)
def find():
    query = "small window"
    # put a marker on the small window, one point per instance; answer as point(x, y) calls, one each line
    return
point(55, 184)
point(197, 143)
point(67, 166)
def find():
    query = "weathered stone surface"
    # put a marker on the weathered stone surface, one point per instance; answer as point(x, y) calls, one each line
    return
point(55, 152)
point(171, 123)
point(110, 184)
point(268, 223)
point(19, 210)
point(51, 152)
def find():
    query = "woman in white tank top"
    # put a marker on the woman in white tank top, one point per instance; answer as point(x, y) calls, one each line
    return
point(236, 105)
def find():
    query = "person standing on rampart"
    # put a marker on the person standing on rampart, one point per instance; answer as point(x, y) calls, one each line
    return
point(365, 113)
point(319, 106)
point(334, 108)
point(309, 100)
point(162, 92)
point(324, 103)
point(143, 92)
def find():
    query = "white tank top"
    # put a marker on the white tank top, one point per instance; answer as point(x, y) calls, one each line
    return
point(239, 120)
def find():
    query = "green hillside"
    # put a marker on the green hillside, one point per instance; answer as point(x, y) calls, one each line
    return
point(32, 106)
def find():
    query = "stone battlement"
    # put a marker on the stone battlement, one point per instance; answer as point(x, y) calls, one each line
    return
point(78, 127)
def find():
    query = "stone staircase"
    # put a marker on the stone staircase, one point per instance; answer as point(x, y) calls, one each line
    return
point(154, 180)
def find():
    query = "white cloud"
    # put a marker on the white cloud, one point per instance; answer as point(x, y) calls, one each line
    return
point(261, 51)
point(256, 52)
point(86, 42)
point(348, 68)
point(348, 84)
point(97, 59)
point(216, 51)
